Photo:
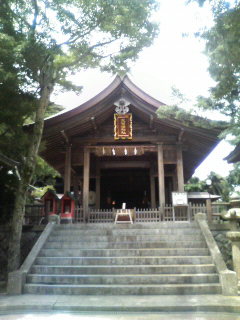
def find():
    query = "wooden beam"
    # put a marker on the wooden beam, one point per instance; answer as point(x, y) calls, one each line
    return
point(65, 136)
point(152, 186)
point(67, 169)
point(86, 174)
point(180, 176)
point(161, 182)
point(151, 121)
point(180, 136)
point(124, 164)
point(94, 125)
point(136, 138)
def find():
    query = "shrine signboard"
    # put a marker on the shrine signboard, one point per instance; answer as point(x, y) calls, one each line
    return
point(179, 199)
point(122, 126)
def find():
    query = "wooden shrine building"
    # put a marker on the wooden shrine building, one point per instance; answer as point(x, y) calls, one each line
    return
point(114, 149)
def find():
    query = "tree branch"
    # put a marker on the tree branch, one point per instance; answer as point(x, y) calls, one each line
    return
point(36, 11)
point(15, 14)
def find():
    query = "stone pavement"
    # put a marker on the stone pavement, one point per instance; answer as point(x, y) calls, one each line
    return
point(122, 316)
point(130, 304)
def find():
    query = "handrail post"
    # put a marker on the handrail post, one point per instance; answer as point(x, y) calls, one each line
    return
point(234, 237)
point(209, 209)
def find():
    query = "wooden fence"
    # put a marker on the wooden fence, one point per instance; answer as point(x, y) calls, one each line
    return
point(101, 216)
point(35, 214)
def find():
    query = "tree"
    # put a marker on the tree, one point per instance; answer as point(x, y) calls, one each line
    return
point(214, 184)
point(44, 174)
point(194, 184)
point(188, 117)
point(219, 185)
point(56, 38)
point(223, 51)
point(234, 177)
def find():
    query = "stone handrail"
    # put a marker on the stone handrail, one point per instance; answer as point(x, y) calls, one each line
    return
point(16, 279)
point(228, 278)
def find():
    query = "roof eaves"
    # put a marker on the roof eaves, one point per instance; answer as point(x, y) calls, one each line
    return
point(233, 156)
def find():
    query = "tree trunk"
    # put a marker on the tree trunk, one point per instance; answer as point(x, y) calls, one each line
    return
point(27, 171)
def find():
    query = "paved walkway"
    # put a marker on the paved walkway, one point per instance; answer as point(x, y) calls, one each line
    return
point(61, 303)
point(123, 316)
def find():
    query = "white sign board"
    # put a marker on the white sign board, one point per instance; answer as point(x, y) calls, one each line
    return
point(179, 199)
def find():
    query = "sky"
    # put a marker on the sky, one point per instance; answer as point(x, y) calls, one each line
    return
point(173, 60)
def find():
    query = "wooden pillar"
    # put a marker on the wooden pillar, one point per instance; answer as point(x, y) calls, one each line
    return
point(98, 181)
point(152, 186)
point(161, 182)
point(86, 176)
point(67, 169)
point(180, 177)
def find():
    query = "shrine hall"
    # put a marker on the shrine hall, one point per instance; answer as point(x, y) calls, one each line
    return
point(114, 149)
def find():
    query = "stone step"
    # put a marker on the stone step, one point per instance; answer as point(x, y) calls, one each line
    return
point(124, 269)
point(125, 245)
point(111, 226)
point(162, 289)
point(122, 279)
point(126, 238)
point(124, 252)
point(123, 260)
point(125, 232)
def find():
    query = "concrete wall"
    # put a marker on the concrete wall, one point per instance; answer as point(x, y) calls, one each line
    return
point(225, 247)
point(29, 237)
point(219, 233)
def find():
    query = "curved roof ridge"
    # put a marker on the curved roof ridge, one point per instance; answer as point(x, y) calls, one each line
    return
point(118, 80)
point(87, 104)
point(141, 93)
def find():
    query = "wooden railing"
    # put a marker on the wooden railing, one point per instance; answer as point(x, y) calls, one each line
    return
point(100, 216)
point(78, 215)
point(34, 214)
point(148, 215)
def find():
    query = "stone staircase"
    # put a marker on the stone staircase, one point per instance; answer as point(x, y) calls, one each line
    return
point(139, 259)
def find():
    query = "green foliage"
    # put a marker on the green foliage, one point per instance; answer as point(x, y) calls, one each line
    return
point(78, 34)
point(234, 176)
point(223, 51)
point(196, 185)
point(46, 42)
point(39, 192)
point(214, 184)
point(44, 174)
point(53, 109)
point(8, 187)
point(187, 118)
point(179, 111)
point(219, 185)
point(42, 43)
